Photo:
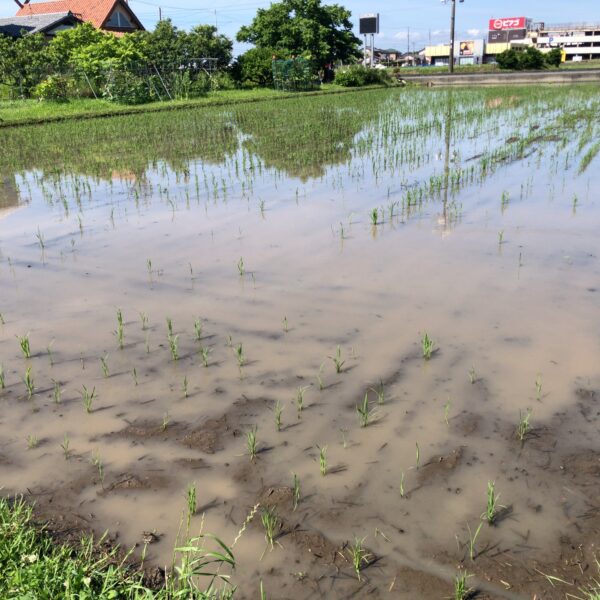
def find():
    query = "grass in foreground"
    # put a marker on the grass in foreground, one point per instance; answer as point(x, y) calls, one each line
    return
point(33, 567)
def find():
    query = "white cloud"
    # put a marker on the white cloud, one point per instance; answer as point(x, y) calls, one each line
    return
point(473, 32)
point(403, 35)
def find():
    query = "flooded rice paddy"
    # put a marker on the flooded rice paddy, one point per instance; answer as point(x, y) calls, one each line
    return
point(185, 280)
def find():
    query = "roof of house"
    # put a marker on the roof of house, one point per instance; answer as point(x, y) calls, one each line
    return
point(96, 12)
point(13, 26)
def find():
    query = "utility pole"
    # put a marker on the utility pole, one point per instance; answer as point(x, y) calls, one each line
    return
point(452, 30)
point(408, 38)
point(159, 13)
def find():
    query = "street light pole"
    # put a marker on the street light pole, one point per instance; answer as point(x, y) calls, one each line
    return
point(452, 30)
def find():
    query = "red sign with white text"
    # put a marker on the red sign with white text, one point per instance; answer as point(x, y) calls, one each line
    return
point(510, 23)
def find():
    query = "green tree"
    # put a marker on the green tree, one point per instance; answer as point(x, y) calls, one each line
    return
point(203, 41)
point(23, 62)
point(65, 43)
point(305, 28)
point(509, 59)
point(531, 58)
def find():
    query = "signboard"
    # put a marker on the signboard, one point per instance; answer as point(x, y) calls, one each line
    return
point(516, 34)
point(467, 48)
point(498, 37)
point(369, 24)
point(509, 23)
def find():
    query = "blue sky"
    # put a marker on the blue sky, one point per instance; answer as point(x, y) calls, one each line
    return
point(427, 19)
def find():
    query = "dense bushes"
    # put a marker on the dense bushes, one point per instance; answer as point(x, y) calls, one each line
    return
point(531, 58)
point(254, 68)
point(58, 88)
point(357, 75)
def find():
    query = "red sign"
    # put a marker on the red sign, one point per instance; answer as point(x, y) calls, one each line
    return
point(510, 23)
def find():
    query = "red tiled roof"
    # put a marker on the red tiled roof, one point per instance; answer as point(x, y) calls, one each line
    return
point(94, 11)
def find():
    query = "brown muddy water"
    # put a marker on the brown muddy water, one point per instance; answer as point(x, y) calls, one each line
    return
point(258, 221)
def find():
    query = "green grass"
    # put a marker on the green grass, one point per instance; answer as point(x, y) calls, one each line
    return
point(33, 566)
point(22, 112)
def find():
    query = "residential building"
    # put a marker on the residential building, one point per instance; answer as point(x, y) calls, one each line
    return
point(114, 16)
point(48, 24)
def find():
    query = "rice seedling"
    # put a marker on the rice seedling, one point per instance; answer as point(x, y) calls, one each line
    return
point(169, 327)
point(344, 439)
point(538, 387)
point(427, 346)
point(24, 344)
point(99, 466)
point(2, 378)
point(144, 320)
point(191, 499)
point(402, 478)
point(149, 267)
point(239, 355)
point(32, 442)
point(523, 426)
point(447, 407)
point(2, 321)
point(322, 460)
point(184, 387)
point(88, 398)
point(320, 377)
point(500, 237)
point(300, 400)
point(240, 266)
point(285, 324)
point(418, 456)
point(198, 329)
point(251, 443)
point(135, 376)
point(104, 365)
point(491, 509)
point(165, 421)
point(56, 393)
point(278, 411)
point(337, 360)
point(263, 595)
point(174, 346)
point(50, 354)
point(120, 329)
point(380, 391)
point(472, 375)
point(205, 353)
point(29, 383)
point(374, 214)
point(40, 239)
point(65, 445)
point(295, 491)
point(271, 524)
point(364, 412)
point(462, 591)
point(358, 556)
point(229, 341)
point(473, 539)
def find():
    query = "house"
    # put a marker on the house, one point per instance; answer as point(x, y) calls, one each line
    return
point(48, 24)
point(114, 16)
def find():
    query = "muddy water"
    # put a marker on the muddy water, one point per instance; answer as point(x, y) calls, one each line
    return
point(503, 314)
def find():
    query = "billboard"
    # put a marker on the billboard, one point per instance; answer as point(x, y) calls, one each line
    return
point(517, 34)
point(467, 48)
point(508, 23)
point(498, 37)
point(369, 24)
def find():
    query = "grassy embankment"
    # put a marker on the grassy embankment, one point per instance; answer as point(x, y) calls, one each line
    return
point(17, 112)
point(35, 567)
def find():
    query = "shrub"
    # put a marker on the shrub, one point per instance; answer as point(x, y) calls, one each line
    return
point(531, 58)
point(57, 88)
point(554, 57)
point(127, 88)
point(254, 68)
point(357, 76)
point(509, 59)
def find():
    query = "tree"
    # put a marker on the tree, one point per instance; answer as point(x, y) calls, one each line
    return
point(322, 34)
point(532, 58)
